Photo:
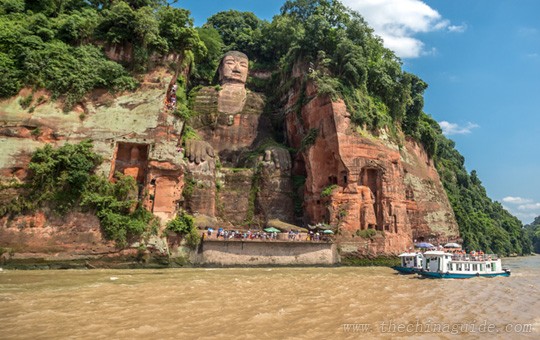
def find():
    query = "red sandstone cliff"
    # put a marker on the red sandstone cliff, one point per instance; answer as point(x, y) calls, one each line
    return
point(378, 184)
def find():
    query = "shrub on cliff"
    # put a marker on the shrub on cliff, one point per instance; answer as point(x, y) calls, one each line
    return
point(58, 176)
point(116, 206)
point(184, 225)
point(61, 179)
point(73, 71)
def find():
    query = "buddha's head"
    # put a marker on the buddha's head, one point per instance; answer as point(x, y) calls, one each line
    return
point(233, 68)
point(134, 154)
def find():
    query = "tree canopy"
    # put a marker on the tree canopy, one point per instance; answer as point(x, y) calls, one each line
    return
point(58, 45)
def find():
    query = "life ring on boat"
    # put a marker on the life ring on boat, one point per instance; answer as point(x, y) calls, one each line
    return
point(477, 274)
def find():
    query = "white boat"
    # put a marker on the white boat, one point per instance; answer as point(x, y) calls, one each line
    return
point(410, 263)
point(442, 265)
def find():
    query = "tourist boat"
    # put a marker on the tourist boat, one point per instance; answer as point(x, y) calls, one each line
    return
point(442, 265)
point(410, 263)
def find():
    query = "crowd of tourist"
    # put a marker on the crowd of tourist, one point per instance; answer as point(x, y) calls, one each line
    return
point(265, 236)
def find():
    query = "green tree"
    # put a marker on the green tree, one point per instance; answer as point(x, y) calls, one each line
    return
point(78, 26)
point(176, 27)
point(9, 76)
point(73, 72)
point(184, 225)
point(58, 176)
point(206, 65)
point(240, 31)
point(118, 24)
point(115, 204)
point(11, 6)
point(532, 232)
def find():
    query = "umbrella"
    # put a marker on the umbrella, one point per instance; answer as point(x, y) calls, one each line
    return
point(424, 245)
point(328, 231)
point(272, 230)
point(452, 245)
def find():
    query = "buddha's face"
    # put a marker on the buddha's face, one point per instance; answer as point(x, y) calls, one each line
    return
point(234, 69)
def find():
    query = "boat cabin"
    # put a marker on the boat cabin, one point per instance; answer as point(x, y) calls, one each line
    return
point(436, 261)
point(411, 260)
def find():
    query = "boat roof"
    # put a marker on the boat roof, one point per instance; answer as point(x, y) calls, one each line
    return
point(436, 253)
point(408, 255)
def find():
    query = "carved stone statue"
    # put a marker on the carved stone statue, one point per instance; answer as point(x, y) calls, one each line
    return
point(133, 168)
point(234, 68)
point(233, 72)
point(232, 126)
point(277, 158)
point(199, 151)
point(367, 211)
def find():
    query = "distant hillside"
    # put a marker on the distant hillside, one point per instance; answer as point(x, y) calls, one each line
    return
point(533, 233)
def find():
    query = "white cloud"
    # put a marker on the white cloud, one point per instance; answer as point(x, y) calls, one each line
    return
point(457, 28)
point(516, 200)
point(530, 206)
point(397, 21)
point(526, 218)
point(454, 129)
point(528, 31)
point(525, 209)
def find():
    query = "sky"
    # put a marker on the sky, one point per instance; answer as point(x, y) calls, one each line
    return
point(481, 59)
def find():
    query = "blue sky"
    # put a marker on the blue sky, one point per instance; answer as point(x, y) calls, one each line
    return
point(481, 59)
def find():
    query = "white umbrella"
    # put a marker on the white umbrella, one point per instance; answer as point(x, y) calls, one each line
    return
point(452, 245)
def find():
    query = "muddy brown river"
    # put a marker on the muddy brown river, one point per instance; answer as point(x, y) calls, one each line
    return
point(267, 303)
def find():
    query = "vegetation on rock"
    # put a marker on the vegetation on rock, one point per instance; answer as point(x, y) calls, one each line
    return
point(533, 233)
point(61, 180)
point(58, 45)
point(121, 216)
point(184, 225)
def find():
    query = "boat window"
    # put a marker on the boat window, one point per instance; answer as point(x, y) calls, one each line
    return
point(467, 266)
point(474, 267)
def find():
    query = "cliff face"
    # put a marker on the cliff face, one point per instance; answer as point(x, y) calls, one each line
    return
point(133, 135)
point(380, 196)
point(358, 182)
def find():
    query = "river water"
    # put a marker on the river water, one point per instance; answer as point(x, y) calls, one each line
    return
point(267, 303)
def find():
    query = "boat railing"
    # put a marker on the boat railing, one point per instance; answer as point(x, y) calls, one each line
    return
point(475, 257)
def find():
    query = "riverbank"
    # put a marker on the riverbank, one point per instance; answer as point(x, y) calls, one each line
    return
point(135, 262)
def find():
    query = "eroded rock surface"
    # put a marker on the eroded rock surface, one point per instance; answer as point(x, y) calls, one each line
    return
point(370, 182)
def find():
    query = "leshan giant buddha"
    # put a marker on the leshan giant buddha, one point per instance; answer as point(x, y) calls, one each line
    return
point(231, 125)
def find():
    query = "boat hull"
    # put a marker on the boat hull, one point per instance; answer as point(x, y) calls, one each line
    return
point(437, 275)
point(406, 270)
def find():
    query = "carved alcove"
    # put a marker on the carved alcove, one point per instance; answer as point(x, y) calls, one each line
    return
point(131, 159)
point(371, 177)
